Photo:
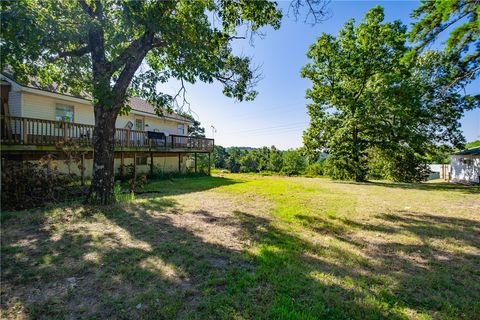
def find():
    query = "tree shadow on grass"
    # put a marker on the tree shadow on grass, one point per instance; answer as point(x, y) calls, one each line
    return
point(132, 262)
point(437, 186)
point(433, 261)
point(140, 261)
point(179, 186)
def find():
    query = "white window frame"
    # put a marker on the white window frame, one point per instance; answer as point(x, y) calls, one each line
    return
point(143, 159)
point(143, 124)
point(64, 107)
point(183, 129)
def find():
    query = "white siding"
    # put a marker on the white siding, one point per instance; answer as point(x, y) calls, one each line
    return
point(465, 168)
point(43, 107)
point(165, 164)
point(15, 103)
point(31, 105)
point(162, 125)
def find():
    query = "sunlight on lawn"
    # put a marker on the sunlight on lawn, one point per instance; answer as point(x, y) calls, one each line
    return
point(251, 247)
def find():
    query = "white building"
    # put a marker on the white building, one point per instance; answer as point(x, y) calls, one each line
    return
point(465, 166)
point(34, 119)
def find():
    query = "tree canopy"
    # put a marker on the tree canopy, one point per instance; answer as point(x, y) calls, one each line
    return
point(367, 99)
point(113, 49)
point(96, 47)
point(462, 18)
point(110, 50)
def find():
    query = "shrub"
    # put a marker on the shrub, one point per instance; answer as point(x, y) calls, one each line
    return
point(249, 162)
point(128, 171)
point(137, 183)
point(293, 162)
point(121, 196)
point(28, 184)
point(315, 169)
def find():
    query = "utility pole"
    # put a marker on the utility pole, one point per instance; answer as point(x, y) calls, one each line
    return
point(214, 130)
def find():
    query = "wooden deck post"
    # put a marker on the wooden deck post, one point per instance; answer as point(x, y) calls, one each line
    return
point(209, 164)
point(195, 162)
point(134, 166)
point(25, 131)
point(151, 163)
point(82, 170)
point(179, 163)
point(122, 166)
point(65, 130)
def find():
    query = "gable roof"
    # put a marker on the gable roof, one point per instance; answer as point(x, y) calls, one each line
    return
point(136, 103)
point(139, 104)
point(469, 152)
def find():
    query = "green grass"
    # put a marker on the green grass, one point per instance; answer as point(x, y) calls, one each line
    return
point(250, 247)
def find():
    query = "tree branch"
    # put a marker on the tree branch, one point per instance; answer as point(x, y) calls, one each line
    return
point(145, 42)
point(131, 57)
point(316, 9)
point(88, 10)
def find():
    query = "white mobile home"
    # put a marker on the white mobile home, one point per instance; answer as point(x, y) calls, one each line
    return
point(465, 166)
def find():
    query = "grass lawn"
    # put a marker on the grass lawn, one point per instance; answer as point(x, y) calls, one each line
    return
point(250, 247)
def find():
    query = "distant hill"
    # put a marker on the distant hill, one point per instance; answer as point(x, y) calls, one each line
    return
point(244, 148)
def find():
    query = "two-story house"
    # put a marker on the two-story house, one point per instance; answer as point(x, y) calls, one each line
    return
point(35, 119)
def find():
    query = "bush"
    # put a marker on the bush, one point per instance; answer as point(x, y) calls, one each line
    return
point(28, 184)
point(315, 169)
point(249, 162)
point(408, 167)
point(159, 173)
point(121, 196)
point(293, 162)
point(128, 171)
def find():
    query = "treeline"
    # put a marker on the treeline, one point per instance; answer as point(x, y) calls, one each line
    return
point(290, 162)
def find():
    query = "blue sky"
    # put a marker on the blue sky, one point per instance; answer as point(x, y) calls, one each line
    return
point(278, 115)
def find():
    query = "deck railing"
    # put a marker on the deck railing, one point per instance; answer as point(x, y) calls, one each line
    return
point(29, 131)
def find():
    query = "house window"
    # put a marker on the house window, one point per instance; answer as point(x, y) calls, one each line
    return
point(181, 129)
point(141, 161)
point(139, 124)
point(64, 113)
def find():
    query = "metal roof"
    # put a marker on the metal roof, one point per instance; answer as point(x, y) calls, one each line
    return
point(469, 152)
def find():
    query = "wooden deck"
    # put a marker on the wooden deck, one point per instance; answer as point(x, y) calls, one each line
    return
point(27, 134)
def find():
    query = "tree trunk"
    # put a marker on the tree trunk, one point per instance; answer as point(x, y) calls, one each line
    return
point(358, 171)
point(103, 180)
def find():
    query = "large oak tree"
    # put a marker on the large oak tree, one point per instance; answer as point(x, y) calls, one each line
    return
point(113, 49)
point(366, 98)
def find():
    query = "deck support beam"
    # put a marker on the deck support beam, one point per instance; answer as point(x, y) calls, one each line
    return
point(209, 163)
point(122, 166)
point(134, 166)
point(195, 162)
point(179, 163)
point(82, 169)
point(151, 163)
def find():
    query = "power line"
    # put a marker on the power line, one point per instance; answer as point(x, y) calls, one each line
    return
point(285, 126)
point(250, 115)
point(276, 133)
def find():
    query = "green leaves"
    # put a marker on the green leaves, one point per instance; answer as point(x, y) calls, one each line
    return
point(366, 96)
point(51, 40)
point(346, 72)
point(461, 17)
